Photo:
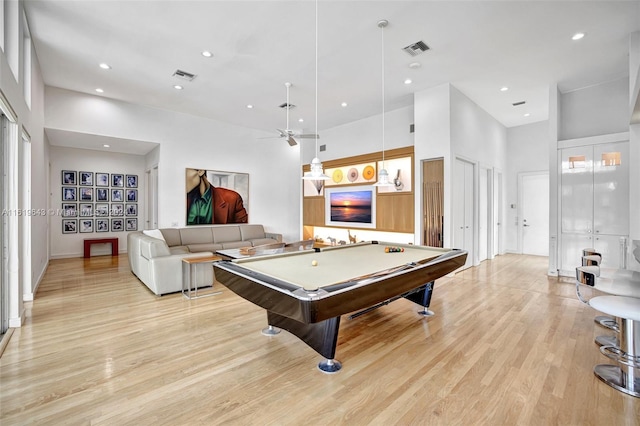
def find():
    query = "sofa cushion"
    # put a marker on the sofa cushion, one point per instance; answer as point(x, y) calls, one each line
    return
point(171, 236)
point(235, 244)
point(196, 248)
point(251, 232)
point(179, 250)
point(224, 234)
point(196, 235)
point(262, 241)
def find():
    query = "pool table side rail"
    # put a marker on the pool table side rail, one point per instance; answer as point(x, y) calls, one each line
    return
point(286, 300)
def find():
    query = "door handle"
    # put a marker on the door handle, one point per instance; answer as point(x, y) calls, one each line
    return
point(525, 225)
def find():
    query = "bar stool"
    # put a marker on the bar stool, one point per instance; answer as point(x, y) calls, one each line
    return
point(589, 275)
point(625, 375)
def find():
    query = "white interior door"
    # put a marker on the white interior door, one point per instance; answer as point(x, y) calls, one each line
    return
point(152, 198)
point(463, 209)
point(483, 215)
point(534, 213)
point(497, 214)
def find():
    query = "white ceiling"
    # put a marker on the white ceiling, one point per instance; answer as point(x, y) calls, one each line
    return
point(477, 46)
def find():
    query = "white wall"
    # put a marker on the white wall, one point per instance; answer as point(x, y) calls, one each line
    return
point(193, 142)
point(432, 115)
point(29, 119)
point(596, 110)
point(526, 152)
point(363, 136)
point(71, 245)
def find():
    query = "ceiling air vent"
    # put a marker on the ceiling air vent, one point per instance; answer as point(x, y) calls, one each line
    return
point(184, 75)
point(518, 103)
point(286, 106)
point(416, 48)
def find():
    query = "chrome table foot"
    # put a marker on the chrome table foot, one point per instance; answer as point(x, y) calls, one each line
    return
point(330, 366)
point(270, 331)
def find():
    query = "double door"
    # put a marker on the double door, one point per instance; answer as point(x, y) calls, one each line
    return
point(594, 203)
point(463, 208)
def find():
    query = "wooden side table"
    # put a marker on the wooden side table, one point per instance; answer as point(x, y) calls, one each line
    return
point(90, 241)
point(189, 284)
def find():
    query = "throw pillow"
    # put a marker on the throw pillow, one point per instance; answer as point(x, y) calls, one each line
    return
point(154, 233)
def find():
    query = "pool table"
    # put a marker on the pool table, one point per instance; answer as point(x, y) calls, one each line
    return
point(306, 292)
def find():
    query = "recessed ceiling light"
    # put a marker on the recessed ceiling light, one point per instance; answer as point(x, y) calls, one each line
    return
point(177, 87)
point(344, 104)
point(106, 146)
point(105, 66)
point(504, 89)
point(249, 106)
point(527, 114)
point(578, 36)
point(99, 90)
point(300, 120)
point(415, 65)
point(408, 81)
point(207, 54)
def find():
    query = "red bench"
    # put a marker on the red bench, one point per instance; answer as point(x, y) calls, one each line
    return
point(89, 242)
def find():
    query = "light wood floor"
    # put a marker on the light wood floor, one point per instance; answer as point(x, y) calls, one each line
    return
point(508, 346)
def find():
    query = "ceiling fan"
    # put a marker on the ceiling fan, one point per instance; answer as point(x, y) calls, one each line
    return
point(290, 135)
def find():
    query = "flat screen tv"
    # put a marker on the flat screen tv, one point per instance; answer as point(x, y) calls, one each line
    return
point(351, 207)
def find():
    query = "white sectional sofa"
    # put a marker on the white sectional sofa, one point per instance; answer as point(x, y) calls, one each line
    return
point(155, 257)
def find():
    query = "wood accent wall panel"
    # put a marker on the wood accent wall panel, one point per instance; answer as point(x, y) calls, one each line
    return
point(394, 212)
point(313, 211)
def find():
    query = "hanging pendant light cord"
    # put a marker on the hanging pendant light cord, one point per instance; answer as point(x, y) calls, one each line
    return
point(316, 133)
point(382, 38)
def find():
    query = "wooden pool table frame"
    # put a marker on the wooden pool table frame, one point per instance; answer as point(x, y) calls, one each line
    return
point(314, 316)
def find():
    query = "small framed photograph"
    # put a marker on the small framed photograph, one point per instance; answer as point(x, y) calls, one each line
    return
point(132, 195)
point(117, 195)
point(69, 226)
point(86, 225)
point(102, 194)
point(102, 179)
point(132, 224)
point(117, 209)
point(132, 181)
point(102, 225)
point(102, 209)
point(131, 210)
point(86, 178)
point(86, 194)
point(69, 210)
point(69, 193)
point(117, 225)
point(86, 210)
point(117, 180)
point(69, 177)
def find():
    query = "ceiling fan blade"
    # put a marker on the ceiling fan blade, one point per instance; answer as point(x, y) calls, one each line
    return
point(308, 136)
point(292, 141)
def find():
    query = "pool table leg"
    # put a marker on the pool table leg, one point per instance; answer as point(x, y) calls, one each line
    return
point(320, 336)
point(426, 299)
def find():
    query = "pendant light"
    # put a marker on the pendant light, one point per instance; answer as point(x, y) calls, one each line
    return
point(316, 175)
point(383, 175)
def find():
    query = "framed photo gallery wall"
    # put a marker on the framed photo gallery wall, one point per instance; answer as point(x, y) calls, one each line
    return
point(98, 202)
